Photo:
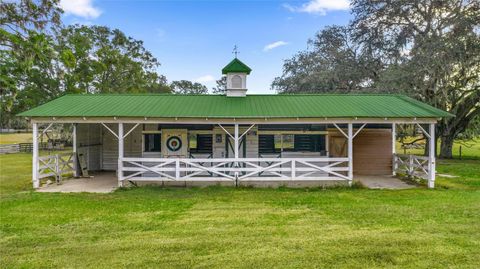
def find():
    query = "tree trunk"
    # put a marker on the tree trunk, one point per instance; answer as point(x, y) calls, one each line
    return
point(446, 147)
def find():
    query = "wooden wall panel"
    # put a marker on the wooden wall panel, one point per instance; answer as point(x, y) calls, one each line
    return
point(252, 143)
point(89, 143)
point(132, 145)
point(372, 151)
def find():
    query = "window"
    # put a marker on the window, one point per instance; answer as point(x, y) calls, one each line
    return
point(291, 142)
point(200, 143)
point(288, 142)
point(152, 142)
point(266, 144)
point(236, 82)
point(311, 143)
point(275, 143)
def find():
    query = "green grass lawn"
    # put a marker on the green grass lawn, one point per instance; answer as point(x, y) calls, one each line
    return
point(15, 138)
point(253, 228)
point(470, 149)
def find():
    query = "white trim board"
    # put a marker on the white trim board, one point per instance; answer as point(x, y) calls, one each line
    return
point(224, 121)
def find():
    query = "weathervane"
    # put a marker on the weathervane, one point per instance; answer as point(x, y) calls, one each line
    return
point(235, 51)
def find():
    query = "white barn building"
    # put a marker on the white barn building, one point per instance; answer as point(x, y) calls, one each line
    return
point(235, 137)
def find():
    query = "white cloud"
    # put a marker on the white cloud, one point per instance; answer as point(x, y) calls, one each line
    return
point(205, 79)
point(81, 8)
point(274, 45)
point(320, 7)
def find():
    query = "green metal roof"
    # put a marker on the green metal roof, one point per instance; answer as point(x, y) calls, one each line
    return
point(236, 66)
point(220, 106)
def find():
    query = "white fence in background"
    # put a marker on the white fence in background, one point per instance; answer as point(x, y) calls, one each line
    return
point(55, 165)
point(9, 148)
point(20, 147)
point(230, 169)
point(411, 165)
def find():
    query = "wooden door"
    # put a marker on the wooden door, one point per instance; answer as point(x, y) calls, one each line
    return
point(230, 144)
point(337, 146)
point(372, 152)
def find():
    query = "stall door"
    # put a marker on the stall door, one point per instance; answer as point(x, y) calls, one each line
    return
point(230, 150)
point(230, 144)
point(338, 146)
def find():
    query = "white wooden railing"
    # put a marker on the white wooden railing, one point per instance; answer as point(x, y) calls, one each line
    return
point(229, 169)
point(411, 165)
point(55, 165)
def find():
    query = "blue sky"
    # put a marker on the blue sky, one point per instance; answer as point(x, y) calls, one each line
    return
point(193, 40)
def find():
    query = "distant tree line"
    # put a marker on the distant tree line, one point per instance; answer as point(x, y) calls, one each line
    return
point(427, 49)
point(41, 59)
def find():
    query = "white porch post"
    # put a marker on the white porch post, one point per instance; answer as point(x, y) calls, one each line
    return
point(235, 138)
point(431, 157)
point(120, 155)
point(236, 141)
point(35, 181)
point(350, 153)
point(394, 150)
point(74, 146)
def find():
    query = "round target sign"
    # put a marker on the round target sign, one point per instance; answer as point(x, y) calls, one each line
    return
point(174, 143)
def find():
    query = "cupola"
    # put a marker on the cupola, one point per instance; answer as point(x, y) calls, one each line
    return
point(236, 72)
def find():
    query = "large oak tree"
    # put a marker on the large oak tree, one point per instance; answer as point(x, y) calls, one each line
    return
point(432, 49)
point(25, 45)
point(188, 87)
point(40, 59)
point(427, 49)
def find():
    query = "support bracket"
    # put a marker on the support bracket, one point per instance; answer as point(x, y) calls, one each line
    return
point(244, 133)
point(423, 130)
point(340, 129)
point(359, 129)
point(131, 130)
point(45, 130)
point(225, 130)
point(111, 131)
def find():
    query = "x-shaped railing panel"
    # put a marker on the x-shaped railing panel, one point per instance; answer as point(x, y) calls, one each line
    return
point(234, 169)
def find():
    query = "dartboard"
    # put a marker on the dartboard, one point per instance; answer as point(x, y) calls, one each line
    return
point(174, 143)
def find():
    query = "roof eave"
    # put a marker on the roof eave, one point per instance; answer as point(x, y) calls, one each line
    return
point(231, 120)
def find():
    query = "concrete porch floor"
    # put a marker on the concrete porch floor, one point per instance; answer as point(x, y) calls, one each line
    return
point(382, 182)
point(105, 182)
